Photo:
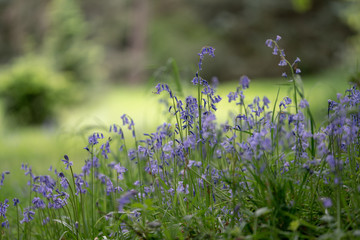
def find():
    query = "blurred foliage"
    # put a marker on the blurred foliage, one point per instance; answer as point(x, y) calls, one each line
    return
point(351, 14)
point(67, 42)
point(314, 29)
point(31, 91)
point(87, 36)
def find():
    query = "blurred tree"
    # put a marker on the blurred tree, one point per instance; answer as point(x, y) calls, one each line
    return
point(351, 15)
point(22, 26)
point(67, 42)
point(312, 30)
point(72, 30)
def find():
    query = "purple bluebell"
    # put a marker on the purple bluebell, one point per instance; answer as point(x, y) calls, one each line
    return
point(125, 199)
point(105, 149)
point(3, 208)
point(182, 188)
point(93, 139)
point(3, 177)
point(244, 81)
point(286, 101)
point(331, 161)
point(38, 203)
point(64, 182)
point(120, 171)
point(194, 163)
point(269, 43)
point(81, 184)
point(303, 104)
point(232, 96)
point(205, 51)
point(45, 220)
point(128, 121)
point(66, 161)
point(327, 203)
point(282, 62)
point(266, 102)
point(297, 60)
point(109, 186)
point(5, 224)
point(275, 50)
point(163, 87)
point(28, 215)
point(16, 202)
point(132, 154)
point(214, 82)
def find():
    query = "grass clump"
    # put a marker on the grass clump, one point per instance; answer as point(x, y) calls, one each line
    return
point(265, 174)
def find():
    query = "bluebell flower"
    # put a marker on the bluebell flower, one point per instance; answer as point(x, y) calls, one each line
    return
point(168, 146)
point(64, 182)
point(282, 62)
point(66, 161)
point(28, 215)
point(297, 60)
point(331, 161)
point(181, 188)
point(16, 202)
point(81, 184)
point(5, 224)
point(128, 121)
point(269, 43)
point(87, 167)
point(244, 81)
point(132, 154)
point(163, 87)
point(275, 50)
point(232, 96)
point(194, 163)
point(46, 221)
point(205, 51)
point(125, 199)
point(286, 101)
point(327, 203)
point(38, 202)
point(3, 208)
point(3, 177)
point(266, 102)
point(214, 82)
point(93, 139)
point(303, 103)
point(105, 149)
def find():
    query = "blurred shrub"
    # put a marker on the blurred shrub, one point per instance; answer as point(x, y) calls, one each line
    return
point(31, 91)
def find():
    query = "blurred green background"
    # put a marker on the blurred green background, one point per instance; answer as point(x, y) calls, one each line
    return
point(69, 67)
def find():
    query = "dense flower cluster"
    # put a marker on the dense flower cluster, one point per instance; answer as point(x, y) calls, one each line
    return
point(261, 161)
